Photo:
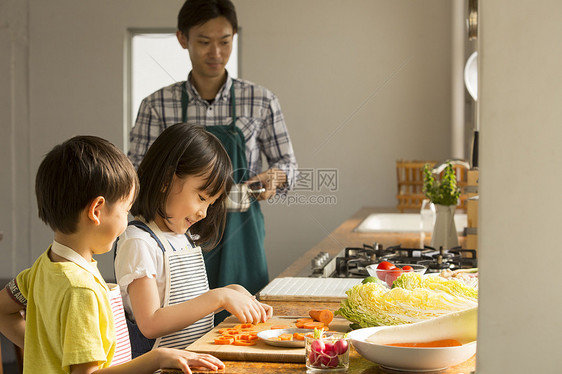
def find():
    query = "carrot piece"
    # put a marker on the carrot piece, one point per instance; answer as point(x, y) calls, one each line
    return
point(244, 342)
point(313, 325)
point(223, 340)
point(279, 327)
point(298, 336)
point(286, 337)
point(244, 326)
point(305, 319)
point(245, 336)
point(300, 325)
point(324, 315)
point(231, 332)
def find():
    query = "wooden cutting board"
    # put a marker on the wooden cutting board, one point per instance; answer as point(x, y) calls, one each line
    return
point(261, 351)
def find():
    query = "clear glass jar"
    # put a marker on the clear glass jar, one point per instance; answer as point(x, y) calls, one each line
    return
point(327, 353)
point(427, 220)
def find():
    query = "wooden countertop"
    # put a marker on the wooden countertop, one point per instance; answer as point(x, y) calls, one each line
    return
point(341, 237)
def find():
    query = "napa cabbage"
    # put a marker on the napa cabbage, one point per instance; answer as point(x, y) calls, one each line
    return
point(372, 304)
point(412, 280)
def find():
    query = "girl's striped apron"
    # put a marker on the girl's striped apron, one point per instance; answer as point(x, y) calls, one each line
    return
point(186, 278)
point(122, 345)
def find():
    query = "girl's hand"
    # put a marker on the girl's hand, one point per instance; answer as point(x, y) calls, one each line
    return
point(268, 310)
point(239, 288)
point(244, 307)
point(179, 359)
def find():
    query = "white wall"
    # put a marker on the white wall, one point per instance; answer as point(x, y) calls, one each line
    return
point(520, 322)
point(362, 83)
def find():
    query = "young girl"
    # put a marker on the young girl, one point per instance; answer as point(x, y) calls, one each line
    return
point(158, 265)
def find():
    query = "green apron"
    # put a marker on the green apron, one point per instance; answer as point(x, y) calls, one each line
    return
point(240, 256)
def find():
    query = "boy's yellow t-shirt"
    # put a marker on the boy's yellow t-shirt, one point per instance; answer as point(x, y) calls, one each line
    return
point(68, 317)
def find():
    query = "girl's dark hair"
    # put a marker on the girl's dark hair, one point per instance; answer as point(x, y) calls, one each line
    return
point(77, 171)
point(197, 12)
point(185, 150)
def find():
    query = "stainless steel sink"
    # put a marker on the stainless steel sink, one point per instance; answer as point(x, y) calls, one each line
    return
point(400, 222)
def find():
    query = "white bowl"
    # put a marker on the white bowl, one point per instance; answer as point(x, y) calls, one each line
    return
point(409, 359)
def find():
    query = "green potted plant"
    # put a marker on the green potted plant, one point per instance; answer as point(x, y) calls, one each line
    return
point(444, 194)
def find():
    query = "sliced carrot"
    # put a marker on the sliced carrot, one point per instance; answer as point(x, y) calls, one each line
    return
point(223, 330)
point(322, 315)
point(305, 319)
point(279, 327)
point(286, 337)
point(300, 325)
point(244, 342)
point(314, 325)
point(298, 336)
point(244, 326)
point(231, 332)
point(245, 337)
point(223, 340)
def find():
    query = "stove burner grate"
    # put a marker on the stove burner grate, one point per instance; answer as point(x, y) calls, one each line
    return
point(355, 259)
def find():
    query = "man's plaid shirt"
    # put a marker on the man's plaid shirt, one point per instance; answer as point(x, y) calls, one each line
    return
point(259, 117)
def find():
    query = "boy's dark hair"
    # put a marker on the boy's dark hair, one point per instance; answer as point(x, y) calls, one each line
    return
point(197, 12)
point(77, 171)
point(185, 150)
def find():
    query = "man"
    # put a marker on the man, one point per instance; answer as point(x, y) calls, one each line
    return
point(246, 118)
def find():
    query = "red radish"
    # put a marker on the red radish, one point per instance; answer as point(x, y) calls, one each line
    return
point(340, 347)
point(329, 348)
point(318, 346)
point(330, 361)
point(313, 357)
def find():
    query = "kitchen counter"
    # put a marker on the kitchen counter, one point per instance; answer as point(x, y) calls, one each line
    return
point(344, 236)
point(341, 237)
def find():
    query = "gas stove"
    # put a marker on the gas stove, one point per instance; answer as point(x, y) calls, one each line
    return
point(351, 262)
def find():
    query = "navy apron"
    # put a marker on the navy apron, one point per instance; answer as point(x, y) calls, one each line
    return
point(239, 258)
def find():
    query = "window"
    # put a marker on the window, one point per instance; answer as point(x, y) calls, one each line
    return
point(156, 60)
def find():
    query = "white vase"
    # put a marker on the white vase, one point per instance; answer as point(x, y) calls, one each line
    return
point(444, 232)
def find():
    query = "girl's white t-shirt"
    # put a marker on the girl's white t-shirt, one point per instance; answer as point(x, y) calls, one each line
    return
point(138, 256)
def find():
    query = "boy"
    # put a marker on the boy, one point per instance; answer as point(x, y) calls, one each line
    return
point(85, 188)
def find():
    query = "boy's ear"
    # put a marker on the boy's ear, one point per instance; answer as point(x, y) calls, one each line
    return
point(94, 209)
point(182, 39)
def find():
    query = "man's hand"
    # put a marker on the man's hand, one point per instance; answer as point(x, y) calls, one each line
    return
point(271, 179)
